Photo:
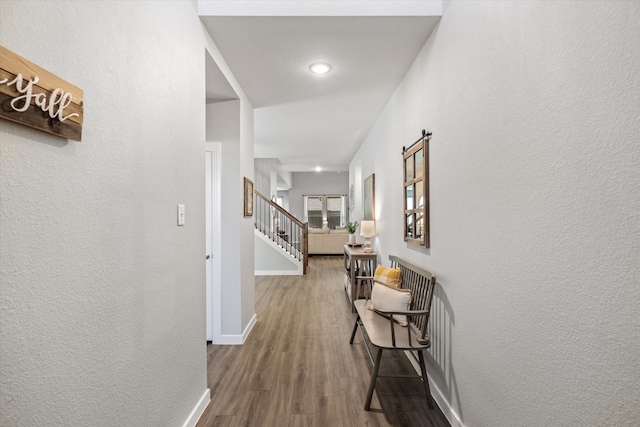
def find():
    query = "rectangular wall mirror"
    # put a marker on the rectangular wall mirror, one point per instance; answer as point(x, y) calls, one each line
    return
point(416, 193)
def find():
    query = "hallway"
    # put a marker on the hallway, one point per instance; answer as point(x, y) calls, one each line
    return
point(297, 367)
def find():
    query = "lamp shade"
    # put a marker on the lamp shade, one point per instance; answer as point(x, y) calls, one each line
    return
point(368, 228)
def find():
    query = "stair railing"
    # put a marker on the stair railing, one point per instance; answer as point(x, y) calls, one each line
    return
point(283, 228)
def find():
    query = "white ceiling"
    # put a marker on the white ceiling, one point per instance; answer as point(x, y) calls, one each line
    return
point(307, 120)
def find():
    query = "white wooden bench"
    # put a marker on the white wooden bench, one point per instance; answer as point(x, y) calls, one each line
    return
point(380, 330)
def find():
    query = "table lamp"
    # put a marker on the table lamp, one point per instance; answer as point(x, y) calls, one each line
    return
point(367, 229)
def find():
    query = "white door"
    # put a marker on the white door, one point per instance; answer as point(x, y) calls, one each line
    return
point(213, 244)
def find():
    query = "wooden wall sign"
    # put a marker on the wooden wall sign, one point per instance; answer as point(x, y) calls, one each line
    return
point(32, 96)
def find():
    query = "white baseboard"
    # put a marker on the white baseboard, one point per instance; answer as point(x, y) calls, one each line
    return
point(444, 404)
point(238, 339)
point(249, 327)
point(280, 273)
point(195, 415)
point(438, 397)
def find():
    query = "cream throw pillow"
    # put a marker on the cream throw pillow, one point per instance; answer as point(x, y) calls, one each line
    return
point(391, 277)
point(386, 298)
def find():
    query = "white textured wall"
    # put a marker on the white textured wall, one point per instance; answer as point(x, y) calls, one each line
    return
point(102, 295)
point(315, 183)
point(535, 207)
point(231, 123)
point(223, 124)
point(247, 276)
point(262, 182)
point(271, 261)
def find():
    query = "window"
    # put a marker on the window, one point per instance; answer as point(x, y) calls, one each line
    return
point(314, 211)
point(334, 211)
point(320, 211)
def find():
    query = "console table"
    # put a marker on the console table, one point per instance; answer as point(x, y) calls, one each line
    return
point(357, 262)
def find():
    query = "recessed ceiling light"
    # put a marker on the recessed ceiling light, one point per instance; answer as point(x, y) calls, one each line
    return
point(318, 168)
point(320, 68)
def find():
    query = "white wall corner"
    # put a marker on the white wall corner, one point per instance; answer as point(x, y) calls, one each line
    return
point(287, 178)
point(198, 410)
point(239, 339)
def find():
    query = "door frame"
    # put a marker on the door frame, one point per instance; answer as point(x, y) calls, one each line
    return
point(213, 231)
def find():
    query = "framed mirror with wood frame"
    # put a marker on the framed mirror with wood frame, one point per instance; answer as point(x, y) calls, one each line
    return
point(416, 192)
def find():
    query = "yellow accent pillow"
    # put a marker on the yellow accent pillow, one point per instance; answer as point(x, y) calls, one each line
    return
point(390, 277)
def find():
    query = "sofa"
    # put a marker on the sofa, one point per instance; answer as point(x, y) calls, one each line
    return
point(323, 241)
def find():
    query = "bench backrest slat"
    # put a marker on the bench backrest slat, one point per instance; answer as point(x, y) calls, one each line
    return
point(421, 282)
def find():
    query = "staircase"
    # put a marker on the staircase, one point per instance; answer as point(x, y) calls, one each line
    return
point(285, 230)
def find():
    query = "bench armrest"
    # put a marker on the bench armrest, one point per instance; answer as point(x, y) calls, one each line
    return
point(419, 335)
point(405, 312)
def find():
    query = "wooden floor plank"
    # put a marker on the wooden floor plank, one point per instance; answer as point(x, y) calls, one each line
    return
point(297, 367)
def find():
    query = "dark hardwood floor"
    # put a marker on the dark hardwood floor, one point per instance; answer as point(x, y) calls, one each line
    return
point(297, 367)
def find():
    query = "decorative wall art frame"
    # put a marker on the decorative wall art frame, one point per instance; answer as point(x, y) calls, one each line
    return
point(369, 198)
point(248, 197)
point(34, 97)
point(416, 191)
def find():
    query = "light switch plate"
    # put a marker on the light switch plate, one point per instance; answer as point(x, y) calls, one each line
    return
point(180, 214)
